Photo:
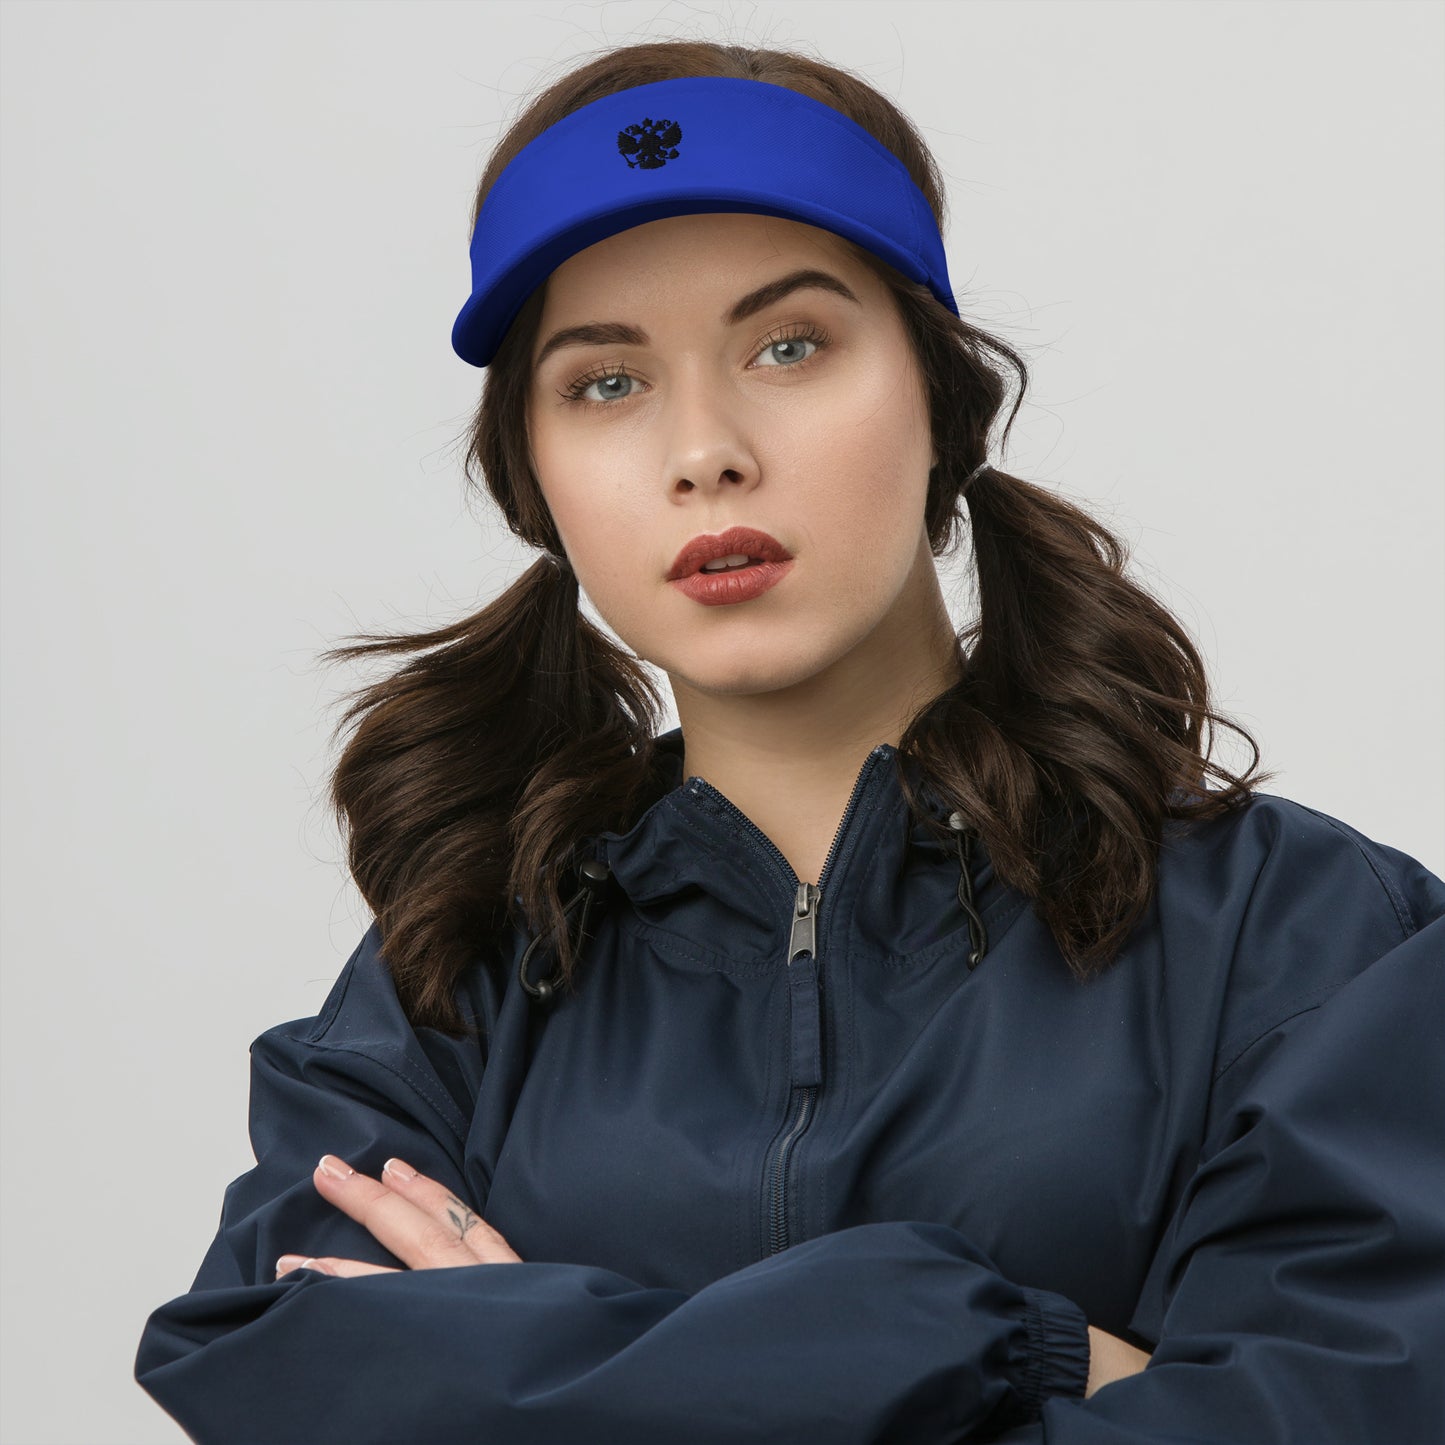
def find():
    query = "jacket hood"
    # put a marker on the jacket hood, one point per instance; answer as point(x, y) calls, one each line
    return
point(694, 858)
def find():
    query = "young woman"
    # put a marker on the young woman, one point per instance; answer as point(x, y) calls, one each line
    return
point(910, 1045)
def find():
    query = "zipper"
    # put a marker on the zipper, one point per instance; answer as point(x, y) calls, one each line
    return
point(804, 1007)
point(804, 1000)
point(701, 785)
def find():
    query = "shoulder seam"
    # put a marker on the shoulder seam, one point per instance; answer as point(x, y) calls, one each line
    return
point(403, 1071)
point(1238, 1045)
point(1403, 915)
point(332, 1006)
point(398, 1066)
point(1300, 1004)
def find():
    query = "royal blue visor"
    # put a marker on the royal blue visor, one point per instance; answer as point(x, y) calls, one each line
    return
point(678, 147)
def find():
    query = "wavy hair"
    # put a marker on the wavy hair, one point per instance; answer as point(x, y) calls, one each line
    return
point(474, 772)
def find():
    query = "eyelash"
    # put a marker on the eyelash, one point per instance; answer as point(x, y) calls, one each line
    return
point(816, 334)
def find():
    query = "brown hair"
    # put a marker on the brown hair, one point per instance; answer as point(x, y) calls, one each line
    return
point(478, 768)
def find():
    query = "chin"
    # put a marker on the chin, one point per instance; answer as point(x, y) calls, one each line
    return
point(778, 663)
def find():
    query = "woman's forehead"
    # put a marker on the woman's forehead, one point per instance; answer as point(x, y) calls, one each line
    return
point(717, 249)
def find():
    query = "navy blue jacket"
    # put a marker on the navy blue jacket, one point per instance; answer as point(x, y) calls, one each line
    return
point(855, 1190)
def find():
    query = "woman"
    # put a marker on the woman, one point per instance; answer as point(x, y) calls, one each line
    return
point(907, 1046)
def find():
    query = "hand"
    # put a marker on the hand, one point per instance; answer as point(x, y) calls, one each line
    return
point(1110, 1359)
point(417, 1219)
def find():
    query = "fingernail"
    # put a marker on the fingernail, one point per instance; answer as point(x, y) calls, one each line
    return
point(400, 1168)
point(336, 1168)
point(287, 1263)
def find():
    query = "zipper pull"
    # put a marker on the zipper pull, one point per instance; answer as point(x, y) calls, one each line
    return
point(805, 921)
point(805, 1000)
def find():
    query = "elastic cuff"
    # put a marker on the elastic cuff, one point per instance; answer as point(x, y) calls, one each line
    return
point(1058, 1336)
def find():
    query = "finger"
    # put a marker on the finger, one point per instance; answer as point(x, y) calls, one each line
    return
point(456, 1217)
point(417, 1238)
point(346, 1267)
point(288, 1262)
point(331, 1265)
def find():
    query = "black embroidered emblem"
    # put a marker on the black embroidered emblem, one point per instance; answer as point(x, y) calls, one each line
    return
point(654, 143)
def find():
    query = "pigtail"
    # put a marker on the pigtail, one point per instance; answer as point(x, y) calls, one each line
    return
point(1076, 727)
point(473, 770)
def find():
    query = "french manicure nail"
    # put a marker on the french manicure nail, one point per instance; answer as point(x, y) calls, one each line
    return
point(336, 1168)
point(401, 1169)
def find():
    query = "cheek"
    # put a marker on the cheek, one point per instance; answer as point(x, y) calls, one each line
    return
point(866, 493)
point(578, 484)
point(611, 546)
point(608, 525)
point(865, 552)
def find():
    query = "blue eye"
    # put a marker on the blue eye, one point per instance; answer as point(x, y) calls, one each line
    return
point(584, 383)
point(593, 378)
point(790, 341)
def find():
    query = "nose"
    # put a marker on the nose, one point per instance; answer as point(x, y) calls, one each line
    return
point(709, 443)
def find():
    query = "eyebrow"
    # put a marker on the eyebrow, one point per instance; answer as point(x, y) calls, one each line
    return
point(618, 333)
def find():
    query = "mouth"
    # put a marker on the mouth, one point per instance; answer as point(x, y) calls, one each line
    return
point(735, 550)
point(727, 564)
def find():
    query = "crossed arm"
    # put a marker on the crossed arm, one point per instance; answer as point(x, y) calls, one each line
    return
point(424, 1223)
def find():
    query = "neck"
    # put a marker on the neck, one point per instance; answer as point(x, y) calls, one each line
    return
point(788, 758)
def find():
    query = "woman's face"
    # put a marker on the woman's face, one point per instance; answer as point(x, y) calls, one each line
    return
point(806, 419)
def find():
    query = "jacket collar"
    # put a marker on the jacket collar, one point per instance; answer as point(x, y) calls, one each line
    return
point(692, 837)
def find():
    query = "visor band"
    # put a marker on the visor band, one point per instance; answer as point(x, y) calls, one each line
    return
point(679, 147)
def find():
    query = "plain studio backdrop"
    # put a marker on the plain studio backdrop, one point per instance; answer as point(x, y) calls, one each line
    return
point(234, 242)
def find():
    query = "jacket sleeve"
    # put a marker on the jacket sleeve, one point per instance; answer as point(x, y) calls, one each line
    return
point(885, 1331)
point(1298, 1294)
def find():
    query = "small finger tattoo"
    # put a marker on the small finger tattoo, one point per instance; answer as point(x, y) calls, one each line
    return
point(464, 1219)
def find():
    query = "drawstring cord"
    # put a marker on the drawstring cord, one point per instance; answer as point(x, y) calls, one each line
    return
point(977, 935)
point(594, 875)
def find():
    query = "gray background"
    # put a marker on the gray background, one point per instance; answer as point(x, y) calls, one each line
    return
point(234, 241)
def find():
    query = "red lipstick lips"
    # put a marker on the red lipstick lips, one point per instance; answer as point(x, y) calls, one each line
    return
point(769, 561)
point(746, 540)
